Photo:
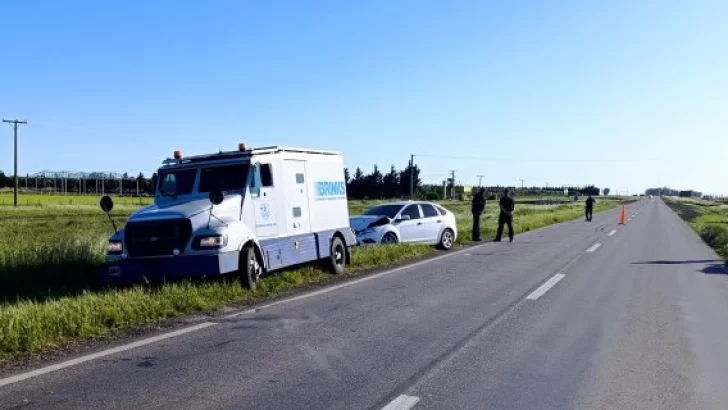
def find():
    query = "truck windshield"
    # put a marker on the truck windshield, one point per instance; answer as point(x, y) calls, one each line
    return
point(226, 177)
point(177, 182)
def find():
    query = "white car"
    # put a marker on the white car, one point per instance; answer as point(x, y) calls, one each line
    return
point(406, 222)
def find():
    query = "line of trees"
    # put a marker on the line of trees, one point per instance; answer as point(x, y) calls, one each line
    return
point(394, 183)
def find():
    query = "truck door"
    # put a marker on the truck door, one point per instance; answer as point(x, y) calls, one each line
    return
point(296, 196)
point(262, 193)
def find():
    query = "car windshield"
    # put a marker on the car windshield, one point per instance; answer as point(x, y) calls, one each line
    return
point(389, 211)
point(177, 182)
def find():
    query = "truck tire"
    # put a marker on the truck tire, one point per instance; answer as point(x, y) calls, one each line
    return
point(337, 256)
point(249, 270)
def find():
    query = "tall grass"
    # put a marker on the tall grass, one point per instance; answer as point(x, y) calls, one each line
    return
point(49, 258)
point(708, 218)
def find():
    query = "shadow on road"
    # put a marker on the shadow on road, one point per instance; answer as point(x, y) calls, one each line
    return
point(716, 269)
point(684, 262)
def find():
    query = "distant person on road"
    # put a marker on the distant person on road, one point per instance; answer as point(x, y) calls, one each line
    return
point(507, 205)
point(477, 208)
point(589, 207)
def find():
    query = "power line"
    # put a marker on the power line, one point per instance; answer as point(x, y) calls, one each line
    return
point(15, 124)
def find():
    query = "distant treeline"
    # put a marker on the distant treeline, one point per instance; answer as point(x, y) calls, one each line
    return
point(673, 192)
point(394, 183)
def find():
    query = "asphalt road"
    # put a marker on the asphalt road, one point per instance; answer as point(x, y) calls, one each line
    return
point(577, 315)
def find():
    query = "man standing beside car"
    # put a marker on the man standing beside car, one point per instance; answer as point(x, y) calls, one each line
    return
point(507, 205)
point(478, 206)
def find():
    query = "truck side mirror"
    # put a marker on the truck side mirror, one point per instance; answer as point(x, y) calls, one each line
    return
point(106, 203)
point(216, 196)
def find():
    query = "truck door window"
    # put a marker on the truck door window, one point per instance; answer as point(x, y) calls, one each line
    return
point(262, 177)
point(266, 175)
point(225, 177)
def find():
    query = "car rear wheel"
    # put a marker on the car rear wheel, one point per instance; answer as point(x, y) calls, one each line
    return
point(389, 238)
point(447, 239)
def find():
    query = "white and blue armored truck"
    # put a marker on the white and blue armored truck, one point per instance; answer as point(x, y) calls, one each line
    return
point(244, 212)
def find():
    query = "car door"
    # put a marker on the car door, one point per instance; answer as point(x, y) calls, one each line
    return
point(412, 229)
point(432, 222)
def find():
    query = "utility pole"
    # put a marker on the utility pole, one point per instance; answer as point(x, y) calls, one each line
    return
point(522, 181)
point(452, 182)
point(412, 176)
point(15, 124)
point(480, 180)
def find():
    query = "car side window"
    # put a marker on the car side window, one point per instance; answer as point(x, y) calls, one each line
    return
point(413, 211)
point(441, 210)
point(428, 211)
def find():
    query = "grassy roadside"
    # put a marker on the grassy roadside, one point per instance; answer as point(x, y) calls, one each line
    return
point(709, 219)
point(39, 242)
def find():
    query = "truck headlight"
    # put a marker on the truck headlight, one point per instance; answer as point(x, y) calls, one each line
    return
point(115, 247)
point(212, 241)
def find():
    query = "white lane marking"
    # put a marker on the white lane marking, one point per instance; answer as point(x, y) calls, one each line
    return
point(402, 403)
point(594, 247)
point(75, 362)
point(82, 359)
point(546, 286)
point(349, 283)
point(612, 232)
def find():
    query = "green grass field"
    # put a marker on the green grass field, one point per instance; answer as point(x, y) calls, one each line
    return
point(708, 218)
point(50, 253)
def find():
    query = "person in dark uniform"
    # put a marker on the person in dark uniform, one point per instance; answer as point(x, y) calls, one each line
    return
point(507, 205)
point(477, 208)
point(589, 207)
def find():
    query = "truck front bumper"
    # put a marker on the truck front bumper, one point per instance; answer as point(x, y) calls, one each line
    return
point(168, 268)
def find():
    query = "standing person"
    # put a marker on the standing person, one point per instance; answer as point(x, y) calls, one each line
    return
point(507, 205)
point(589, 207)
point(478, 206)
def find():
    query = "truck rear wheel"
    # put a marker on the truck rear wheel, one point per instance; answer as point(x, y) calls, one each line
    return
point(249, 269)
point(337, 256)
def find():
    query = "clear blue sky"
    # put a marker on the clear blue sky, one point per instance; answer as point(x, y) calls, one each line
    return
point(641, 87)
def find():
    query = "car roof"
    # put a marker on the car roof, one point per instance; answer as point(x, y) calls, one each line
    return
point(409, 202)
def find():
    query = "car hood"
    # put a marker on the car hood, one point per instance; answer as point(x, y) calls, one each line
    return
point(186, 209)
point(361, 222)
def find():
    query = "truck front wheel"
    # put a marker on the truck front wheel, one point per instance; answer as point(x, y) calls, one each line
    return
point(249, 269)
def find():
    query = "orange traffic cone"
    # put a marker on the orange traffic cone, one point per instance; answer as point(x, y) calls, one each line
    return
point(623, 217)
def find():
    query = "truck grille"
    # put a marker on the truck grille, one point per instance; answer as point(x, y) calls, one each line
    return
point(157, 238)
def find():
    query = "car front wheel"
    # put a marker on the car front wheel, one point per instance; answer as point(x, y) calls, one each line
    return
point(389, 238)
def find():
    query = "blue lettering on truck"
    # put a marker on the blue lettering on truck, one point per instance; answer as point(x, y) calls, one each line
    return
point(326, 190)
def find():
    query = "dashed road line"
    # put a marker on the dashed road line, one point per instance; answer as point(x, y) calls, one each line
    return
point(612, 232)
point(546, 286)
point(594, 247)
point(402, 402)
